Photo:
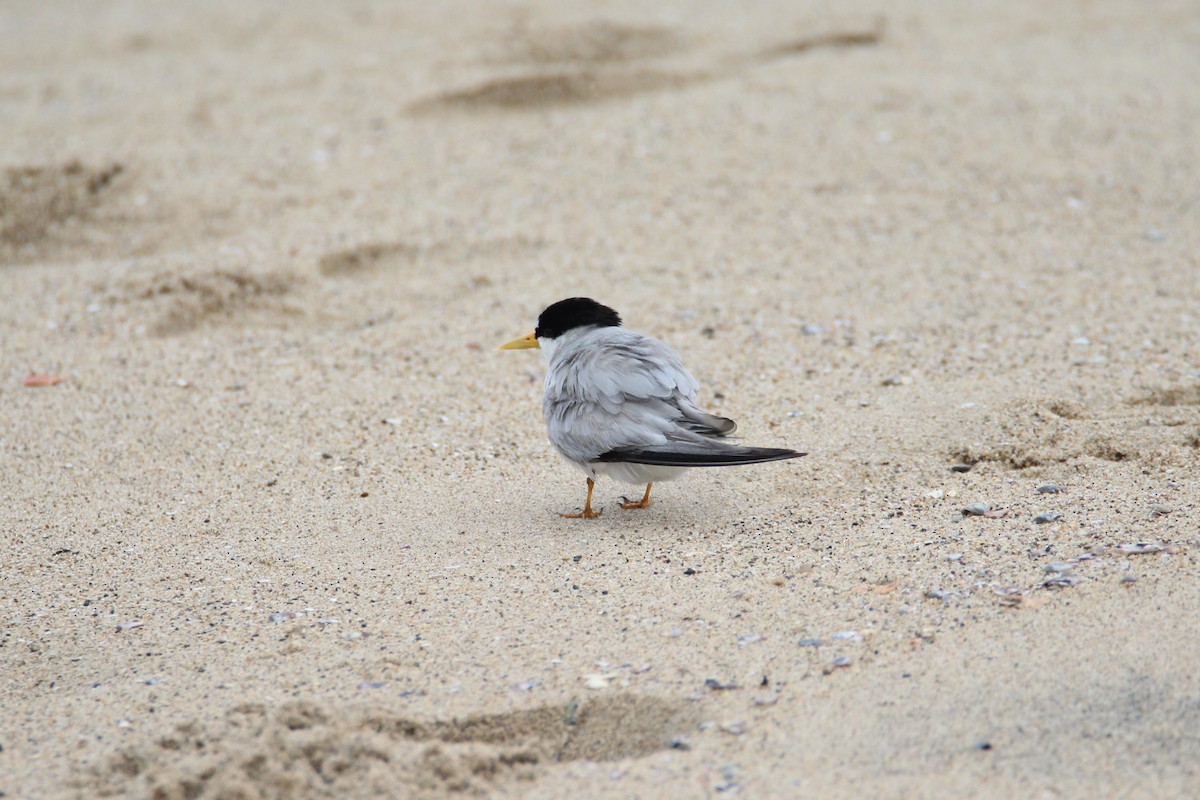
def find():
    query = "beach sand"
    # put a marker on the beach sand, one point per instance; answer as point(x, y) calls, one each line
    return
point(289, 525)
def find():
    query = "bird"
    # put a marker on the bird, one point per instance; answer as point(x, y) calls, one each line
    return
point(620, 404)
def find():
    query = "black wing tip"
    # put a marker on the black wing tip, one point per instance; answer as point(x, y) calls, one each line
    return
point(749, 455)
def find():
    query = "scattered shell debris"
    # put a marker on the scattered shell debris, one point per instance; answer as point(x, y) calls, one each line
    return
point(1060, 581)
point(1141, 548)
point(33, 380)
point(598, 680)
point(1009, 595)
point(841, 662)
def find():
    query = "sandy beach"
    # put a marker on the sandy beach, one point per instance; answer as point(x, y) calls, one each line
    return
point(279, 521)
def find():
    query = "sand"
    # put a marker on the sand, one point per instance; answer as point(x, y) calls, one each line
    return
point(289, 525)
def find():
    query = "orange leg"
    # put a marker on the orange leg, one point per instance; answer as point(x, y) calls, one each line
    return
point(645, 502)
point(587, 512)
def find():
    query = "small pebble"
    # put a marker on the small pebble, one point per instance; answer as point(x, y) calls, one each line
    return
point(1128, 580)
point(982, 745)
point(954, 557)
point(938, 594)
point(1057, 567)
point(960, 467)
point(1160, 510)
point(1050, 488)
point(840, 662)
point(810, 643)
point(844, 636)
point(1049, 516)
point(689, 571)
point(975, 510)
point(718, 686)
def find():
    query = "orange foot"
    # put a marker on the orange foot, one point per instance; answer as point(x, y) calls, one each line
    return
point(587, 512)
point(643, 503)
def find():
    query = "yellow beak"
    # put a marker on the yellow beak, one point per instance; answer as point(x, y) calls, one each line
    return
point(526, 342)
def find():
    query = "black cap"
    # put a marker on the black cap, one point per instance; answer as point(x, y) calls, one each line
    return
point(575, 312)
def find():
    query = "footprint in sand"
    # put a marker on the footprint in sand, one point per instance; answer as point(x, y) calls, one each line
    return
point(595, 62)
point(307, 749)
point(43, 207)
point(1164, 430)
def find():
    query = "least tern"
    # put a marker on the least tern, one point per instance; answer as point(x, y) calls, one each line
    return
point(619, 403)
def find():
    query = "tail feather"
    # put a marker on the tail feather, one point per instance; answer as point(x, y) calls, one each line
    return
point(724, 457)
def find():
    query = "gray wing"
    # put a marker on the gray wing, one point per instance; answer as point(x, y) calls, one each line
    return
point(620, 391)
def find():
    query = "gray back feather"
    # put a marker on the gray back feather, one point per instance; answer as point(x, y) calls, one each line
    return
point(609, 388)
